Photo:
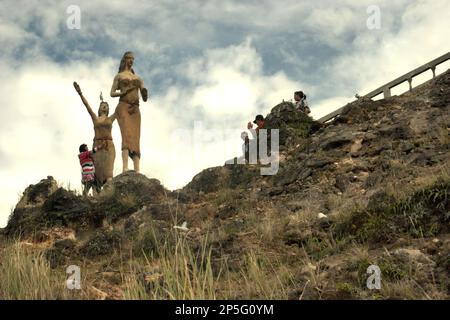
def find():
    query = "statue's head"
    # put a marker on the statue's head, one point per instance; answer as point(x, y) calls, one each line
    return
point(127, 61)
point(103, 109)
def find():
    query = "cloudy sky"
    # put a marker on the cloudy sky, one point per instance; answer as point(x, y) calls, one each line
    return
point(210, 66)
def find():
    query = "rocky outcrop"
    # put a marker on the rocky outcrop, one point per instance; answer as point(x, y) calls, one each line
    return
point(292, 124)
point(134, 184)
point(218, 178)
point(45, 205)
point(127, 193)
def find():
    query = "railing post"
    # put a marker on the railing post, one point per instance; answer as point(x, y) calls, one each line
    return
point(433, 69)
point(410, 84)
point(386, 92)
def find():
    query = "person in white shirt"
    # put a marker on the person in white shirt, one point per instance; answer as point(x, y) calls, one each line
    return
point(300, 102)
point(245, 147)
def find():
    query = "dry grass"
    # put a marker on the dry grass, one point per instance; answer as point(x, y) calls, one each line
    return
point(312, 269)
point(181, 273)
point(26, 274)
point(268, 225)
point(262, 277)
point(440, 133)
point(409, 289)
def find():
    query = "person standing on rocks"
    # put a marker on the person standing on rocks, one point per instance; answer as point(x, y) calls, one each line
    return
point(103, 141)
point(128, 114)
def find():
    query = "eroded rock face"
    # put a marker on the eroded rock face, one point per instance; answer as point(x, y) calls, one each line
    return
point(217, 178)
point(127, 193)
point(44, 205)
point(337, 140)
point(394, 132)
point(209, 180)
point(134, 184)
point(29, 205)
point(60, 208)
point(440, 95)
point(64, 207)
point(36, 194)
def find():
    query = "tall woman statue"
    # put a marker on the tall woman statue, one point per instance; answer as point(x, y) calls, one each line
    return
point(128, 114)
point(106, 152)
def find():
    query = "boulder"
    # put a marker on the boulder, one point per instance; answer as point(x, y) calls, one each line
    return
point(127, 193)
point(217, 178)
point(291, 122)
point(36, 194)
point(395, 131)
point(337, 140)
point(44, 204)
point(134, 184)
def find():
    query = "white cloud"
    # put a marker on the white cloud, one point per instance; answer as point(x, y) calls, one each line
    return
point(378, 56)
point(324, 106)
point(231, 81)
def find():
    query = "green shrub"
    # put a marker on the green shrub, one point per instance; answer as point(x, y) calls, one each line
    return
point(424, 213)
point(102, 243)
point(147, 243)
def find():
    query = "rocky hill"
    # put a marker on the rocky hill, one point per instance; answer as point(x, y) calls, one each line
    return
point(370, 188)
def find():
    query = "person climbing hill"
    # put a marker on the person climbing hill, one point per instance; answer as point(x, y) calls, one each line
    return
point(88, 179)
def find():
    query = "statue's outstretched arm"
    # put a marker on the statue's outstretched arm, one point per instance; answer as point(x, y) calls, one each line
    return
point(88, 107)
